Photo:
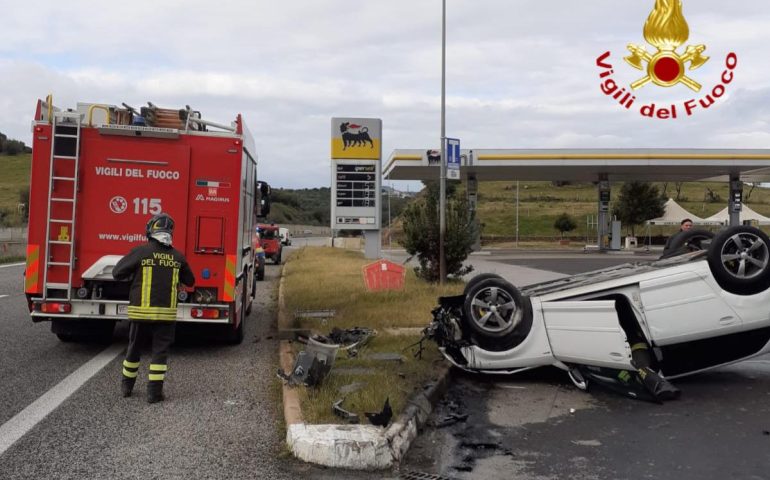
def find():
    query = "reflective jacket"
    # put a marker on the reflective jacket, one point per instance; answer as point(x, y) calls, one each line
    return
point(157, 271)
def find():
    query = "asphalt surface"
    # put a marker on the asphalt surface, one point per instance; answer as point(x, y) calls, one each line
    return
point(221, 418)
point(222, 415)
point(536, 425)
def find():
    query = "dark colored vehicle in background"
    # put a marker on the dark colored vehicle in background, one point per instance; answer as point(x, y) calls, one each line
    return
point(270, 240)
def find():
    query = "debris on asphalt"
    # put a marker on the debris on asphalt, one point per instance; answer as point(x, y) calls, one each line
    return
point(346, 415)
point(451, 419)
point(381, 419)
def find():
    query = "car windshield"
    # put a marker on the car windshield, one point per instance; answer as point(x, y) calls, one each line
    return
point(268, 234)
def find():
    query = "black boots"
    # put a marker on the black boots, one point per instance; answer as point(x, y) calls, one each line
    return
point(155, 391)
point(127, 386)
point(658, 386)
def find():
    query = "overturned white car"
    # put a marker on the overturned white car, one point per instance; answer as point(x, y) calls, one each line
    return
point(629, 327)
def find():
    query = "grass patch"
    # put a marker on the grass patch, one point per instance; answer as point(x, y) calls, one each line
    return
point(320, 278)
point(11, 260)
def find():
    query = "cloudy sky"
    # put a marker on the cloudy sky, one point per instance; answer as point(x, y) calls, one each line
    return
point(520, 73)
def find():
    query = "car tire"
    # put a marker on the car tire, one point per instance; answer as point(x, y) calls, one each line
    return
point(689, 241)
point(739, 258)
point(495, 314)
point(478, 278)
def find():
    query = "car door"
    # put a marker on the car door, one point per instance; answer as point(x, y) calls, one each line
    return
point(682, 307)
point(586, 332)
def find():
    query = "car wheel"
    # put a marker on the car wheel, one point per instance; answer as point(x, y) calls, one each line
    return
point(478, 278)
point(496, 315)
point(739, 259)
point(689, 241)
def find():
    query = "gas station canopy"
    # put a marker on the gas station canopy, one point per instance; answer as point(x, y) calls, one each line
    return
point(588, 165)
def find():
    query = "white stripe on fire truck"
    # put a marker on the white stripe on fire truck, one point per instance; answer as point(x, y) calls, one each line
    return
point(212, 183)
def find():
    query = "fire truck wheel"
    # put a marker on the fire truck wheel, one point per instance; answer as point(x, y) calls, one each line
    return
point(66, 337)
point(246, 297)
point(261, 270)
point(234, 336)
point(277, 258)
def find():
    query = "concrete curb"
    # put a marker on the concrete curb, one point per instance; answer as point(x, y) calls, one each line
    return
point(359, 447)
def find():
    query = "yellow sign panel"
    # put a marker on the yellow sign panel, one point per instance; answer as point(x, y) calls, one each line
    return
point(64, 234)
point(356, 138)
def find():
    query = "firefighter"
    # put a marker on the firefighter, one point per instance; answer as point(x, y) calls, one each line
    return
point(156, 270)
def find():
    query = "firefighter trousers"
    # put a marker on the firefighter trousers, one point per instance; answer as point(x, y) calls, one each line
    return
point(161, 336)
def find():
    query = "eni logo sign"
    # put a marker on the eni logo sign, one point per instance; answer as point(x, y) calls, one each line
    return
point(666, 30)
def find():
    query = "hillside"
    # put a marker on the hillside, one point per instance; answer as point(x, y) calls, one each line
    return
point(13, 180)
point(541, 202)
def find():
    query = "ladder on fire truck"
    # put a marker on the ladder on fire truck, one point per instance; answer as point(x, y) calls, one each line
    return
point(63, 178)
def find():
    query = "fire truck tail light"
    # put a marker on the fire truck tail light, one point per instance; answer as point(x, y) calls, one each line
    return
point(207, 313)
point(54, 307)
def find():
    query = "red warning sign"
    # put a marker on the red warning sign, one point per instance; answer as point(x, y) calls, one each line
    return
point(384, 275)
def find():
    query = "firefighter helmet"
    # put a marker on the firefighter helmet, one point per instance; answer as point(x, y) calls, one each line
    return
point(161, 223)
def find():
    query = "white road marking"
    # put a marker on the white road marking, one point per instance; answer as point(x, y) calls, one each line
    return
point(3, 296)
point(36, 411)
point(11, 265)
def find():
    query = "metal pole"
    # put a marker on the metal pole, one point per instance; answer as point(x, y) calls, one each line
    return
point(517, 213)
point(390, 225)
point(442, 180)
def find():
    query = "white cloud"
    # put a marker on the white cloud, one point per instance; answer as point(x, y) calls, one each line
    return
point(519, 73)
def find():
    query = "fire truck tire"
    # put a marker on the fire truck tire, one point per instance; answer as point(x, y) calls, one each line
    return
point(86, 331)
point(260, 270)
point(246, 297)
point(234, 336)
point(277, 258)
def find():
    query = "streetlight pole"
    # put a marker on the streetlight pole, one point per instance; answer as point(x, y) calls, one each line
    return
point(442, 168)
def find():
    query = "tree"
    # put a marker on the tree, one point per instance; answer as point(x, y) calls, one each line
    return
point(13, 147)
point(421, 233)
point(637, 203)
point(564, 223)
point(678, 186)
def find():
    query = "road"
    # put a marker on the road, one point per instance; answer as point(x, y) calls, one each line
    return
point(222, 416)
point(537, 425)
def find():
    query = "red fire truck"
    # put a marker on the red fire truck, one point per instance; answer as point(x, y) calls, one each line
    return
point(99, 172)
